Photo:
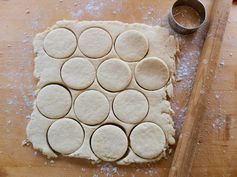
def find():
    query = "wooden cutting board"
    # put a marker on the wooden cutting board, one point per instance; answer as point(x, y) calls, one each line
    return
point(19, 23)
point(217, 146)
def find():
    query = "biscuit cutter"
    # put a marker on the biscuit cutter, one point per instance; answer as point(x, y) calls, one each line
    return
point(197, 6)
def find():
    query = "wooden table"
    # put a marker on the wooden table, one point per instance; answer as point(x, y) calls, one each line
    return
point(20, 21)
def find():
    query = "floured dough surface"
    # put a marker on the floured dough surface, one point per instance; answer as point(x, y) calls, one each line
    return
point(65, 136)
point(53, 101)
point(131, 45)
point(102, 91)
point(109, 143)
point(91, 107)
point(130, 106)
point(95, 42)
point(78, 73)
point(152, 73)
point(60, 43)
point(114, 75)
point(147, 140)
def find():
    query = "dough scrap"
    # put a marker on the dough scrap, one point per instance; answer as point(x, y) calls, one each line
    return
point(130, 106)
point(147, 140)
point(152, 73)
point(131, 45)
point(114, 75)
point(53, 101)
point(65, 136)
point(60, 43)
point(78, 73)
point(91, 107)
point(95, 42)
point(109, 143)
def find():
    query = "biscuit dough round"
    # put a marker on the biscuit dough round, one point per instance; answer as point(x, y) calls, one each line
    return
point(147, 140)
point(109, 143)
point(53, 101)
point(131, 45)
point(152, 73)
point(91, 107)
point(60, 43)
point(65, 136)
point(114, 75)
point(130, 106)
point(95, 42)
point(78, 73)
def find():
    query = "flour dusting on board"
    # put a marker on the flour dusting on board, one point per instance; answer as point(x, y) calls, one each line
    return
point(152, 16)
point(19, 85)
point(186, 69)
point(35, 19)
point(94, 7)
point(215, 113)
point(76, 14)
point(109, 170)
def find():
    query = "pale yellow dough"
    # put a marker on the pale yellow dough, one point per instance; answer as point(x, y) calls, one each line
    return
point(152, 73)
point(102, 91)
point(102, 146)
point(130, 106)
point(114, 75)
point(131, 45)
point(65, 136)
point(91, 107)
point(53, 101)
point(60, 43)
point(95, 42)
point(78, 73)
point(147, 140)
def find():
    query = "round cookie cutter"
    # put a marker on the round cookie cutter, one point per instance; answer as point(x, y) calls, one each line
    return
point(197, 6)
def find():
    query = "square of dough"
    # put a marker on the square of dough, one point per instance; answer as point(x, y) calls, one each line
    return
point(103, 91)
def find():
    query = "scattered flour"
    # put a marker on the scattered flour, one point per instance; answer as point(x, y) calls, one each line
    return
point(94, 7)
point(222, 62)
point(35, 19)
point(218, 123)
point(12, 101)
point(25, 142)
point(109, 169)
point(28, 117)
point(35, 153)
point(76, 14)
point(150, 15)
point(52, 162)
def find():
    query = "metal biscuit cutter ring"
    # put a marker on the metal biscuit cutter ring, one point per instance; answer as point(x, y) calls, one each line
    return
point(197, 6)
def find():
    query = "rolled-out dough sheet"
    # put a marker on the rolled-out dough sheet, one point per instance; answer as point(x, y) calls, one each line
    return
point(103, 91)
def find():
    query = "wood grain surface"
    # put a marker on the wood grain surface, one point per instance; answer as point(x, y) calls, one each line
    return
point(20, 21)
point(217, 148)
point(198, 104)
